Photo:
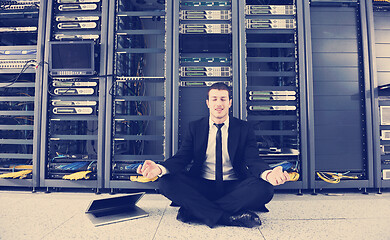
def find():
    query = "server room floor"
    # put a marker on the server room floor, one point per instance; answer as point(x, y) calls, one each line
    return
point(60, 215)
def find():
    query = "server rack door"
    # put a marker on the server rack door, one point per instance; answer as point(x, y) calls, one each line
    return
point(340, 111)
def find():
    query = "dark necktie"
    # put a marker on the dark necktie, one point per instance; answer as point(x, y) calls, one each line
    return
point(218, 160)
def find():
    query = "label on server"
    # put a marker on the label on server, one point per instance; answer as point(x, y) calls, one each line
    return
point(73, 84)
point(72, 103)
point(251, 93)
point(205, 28)
point(73, 91)
point(72, 110)
point(205, 15)
point(270, 24)
point(76, 18)
point(276, 98)
point(77, 25)
point(270, 10)
point(272, 108)
point(205, 72)
point(76, 36)
point(77, 7)
point(18, 29)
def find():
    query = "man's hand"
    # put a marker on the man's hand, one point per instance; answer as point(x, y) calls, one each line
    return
point(277, 176)
point(149, 169)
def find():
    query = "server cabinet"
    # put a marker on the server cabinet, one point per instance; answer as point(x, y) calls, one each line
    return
point(272, 82)
point(21, 64)
point(379, 26)
point(73, 99)
point(205, 52)
point(339, 107)
point(138, 93)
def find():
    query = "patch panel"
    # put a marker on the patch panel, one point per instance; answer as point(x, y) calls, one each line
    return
point(205, 60)
point(202, 83)
point(12, 64)
point(206, 3)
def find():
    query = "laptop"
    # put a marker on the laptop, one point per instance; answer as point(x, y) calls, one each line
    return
point(115, 209)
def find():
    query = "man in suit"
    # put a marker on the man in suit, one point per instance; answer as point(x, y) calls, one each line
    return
point(217, 176)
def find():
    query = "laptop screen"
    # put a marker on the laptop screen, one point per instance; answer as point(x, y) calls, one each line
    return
point(114, 202)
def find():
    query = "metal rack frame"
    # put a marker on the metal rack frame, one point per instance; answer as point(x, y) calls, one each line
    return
point(112, 82)
point(301, 120)
point(100, 118)
point(364, 183)
point(34, 182)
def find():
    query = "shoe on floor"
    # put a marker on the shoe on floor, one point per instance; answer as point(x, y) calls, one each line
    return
point(185, 216)
point(246, 219)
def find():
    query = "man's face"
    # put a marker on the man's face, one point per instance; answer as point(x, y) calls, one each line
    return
point(218, 104)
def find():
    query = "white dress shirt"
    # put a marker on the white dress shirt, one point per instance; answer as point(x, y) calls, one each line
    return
point(209, 165)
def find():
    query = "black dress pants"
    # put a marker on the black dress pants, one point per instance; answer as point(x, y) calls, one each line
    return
point(199, 198)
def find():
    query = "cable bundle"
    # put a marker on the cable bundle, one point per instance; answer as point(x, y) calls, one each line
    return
point(332, 177)
point(18, 174)
point(81, 174)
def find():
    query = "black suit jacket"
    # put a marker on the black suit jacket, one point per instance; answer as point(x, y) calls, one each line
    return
point(242, 148)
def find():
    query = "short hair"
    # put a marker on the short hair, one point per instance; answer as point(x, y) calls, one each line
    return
point(219, 86)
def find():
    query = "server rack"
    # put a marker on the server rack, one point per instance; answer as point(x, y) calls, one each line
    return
point(338, 94)
point(205, 51)
point(21, 64)
point(379, 30)
point(73, 102)
point(138, 96)
point(273, 82)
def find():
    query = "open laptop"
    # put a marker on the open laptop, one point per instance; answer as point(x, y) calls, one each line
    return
point(115, 209)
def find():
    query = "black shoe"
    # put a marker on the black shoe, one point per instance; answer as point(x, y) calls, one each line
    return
point(184, 216)
point(246, 219)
